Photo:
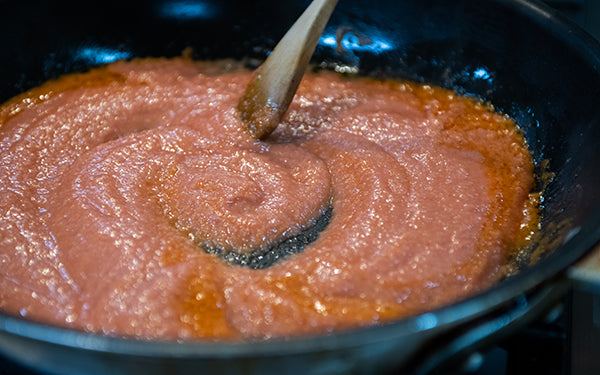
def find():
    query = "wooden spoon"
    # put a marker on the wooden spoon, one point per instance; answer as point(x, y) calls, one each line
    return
point(270, 92)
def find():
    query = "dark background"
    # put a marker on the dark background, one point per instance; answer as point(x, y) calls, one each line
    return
point(585, 12)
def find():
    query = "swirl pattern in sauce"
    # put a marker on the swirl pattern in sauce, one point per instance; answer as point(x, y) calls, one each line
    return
point(113, 181)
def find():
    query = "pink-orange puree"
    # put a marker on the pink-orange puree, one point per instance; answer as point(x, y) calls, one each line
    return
point(112, 181)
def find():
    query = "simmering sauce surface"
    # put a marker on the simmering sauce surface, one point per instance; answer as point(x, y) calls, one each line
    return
point(113, 183)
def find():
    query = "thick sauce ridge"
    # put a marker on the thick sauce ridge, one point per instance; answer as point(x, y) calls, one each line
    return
point(114, 182)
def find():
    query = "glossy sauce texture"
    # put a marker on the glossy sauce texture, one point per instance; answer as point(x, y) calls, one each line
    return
point(114, 181)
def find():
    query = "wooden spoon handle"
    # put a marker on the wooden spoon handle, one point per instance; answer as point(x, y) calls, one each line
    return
point(269, 94)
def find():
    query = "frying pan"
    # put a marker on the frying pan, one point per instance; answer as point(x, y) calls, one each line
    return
point(521, 56)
